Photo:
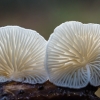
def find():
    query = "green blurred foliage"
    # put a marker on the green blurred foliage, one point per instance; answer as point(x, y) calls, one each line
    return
point(44, 15)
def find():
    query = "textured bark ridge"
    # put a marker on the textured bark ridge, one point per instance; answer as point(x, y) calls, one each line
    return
point(46, 91)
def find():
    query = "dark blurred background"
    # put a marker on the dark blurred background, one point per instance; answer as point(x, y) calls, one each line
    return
point(44, 15)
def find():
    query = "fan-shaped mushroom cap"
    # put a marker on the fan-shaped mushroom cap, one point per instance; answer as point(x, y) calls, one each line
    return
point(22, 54)
point(73, 55)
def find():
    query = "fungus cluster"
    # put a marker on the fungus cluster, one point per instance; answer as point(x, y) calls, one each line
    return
point(73, 55)
point(22, 53)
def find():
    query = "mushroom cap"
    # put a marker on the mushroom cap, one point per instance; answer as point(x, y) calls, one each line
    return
point(73, 55)
point(22, 54)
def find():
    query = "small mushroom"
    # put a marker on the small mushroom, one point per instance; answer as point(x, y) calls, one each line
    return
point(73, 55)
point(22, 53)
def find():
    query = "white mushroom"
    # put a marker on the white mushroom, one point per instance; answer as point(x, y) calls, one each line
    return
point(73, 55)
point(22, 53)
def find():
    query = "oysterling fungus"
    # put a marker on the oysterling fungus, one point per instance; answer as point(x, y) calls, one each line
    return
point(22, 53)
point(73, 55)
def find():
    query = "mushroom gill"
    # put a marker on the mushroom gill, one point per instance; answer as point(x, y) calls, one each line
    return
point(73, 55)
point(22, 53)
